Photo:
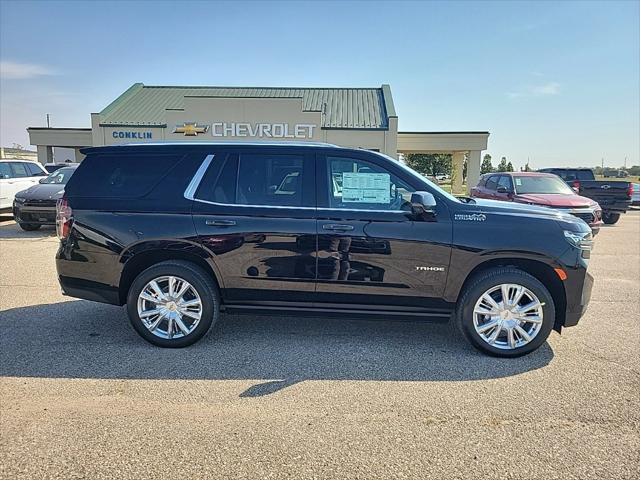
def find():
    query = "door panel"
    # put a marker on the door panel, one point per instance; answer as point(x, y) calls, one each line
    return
point(387, 258)
point(265, 253)
point(377, 252)
point(261, 258)
point(21, 179)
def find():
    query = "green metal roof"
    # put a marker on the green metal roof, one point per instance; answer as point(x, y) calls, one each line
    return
point(359, 108)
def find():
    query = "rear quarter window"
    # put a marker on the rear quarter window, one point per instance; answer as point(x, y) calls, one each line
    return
point(120, 176)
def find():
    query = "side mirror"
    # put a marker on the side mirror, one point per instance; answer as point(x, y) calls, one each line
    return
point(42, 180)
point(422, 202)
point(502, 189)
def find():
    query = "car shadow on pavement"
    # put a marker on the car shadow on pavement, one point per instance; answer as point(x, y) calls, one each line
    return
point(80, 339)
point(10, 230)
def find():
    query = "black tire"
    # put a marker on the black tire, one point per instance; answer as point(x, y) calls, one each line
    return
point(29, 227)
point(610, 218)
point(484, 281)
point(199, 279)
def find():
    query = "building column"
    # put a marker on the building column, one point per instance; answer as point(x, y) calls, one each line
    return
point(473, 169)
point(78, 155)
point(45, 154)
point(457, 165)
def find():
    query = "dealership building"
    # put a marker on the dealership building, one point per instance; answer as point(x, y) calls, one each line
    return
point(352, 117)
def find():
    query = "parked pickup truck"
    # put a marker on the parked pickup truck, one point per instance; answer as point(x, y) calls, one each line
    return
point(613, 197)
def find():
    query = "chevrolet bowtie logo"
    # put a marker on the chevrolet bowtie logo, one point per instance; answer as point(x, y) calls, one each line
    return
point(191, 129)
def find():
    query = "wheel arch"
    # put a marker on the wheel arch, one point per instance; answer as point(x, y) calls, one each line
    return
point(540, 270)
point(144, 255)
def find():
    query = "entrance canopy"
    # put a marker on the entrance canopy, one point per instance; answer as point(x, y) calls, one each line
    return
point(46, 138)
point(458, 144)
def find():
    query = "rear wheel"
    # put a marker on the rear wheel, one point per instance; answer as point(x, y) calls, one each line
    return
point(610, 218)
point(29, 227)
point(506, 312)
point(173, 304)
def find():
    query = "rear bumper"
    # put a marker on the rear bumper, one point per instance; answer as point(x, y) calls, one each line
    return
point(88, 290)
point(615, 207)
point(88, 275)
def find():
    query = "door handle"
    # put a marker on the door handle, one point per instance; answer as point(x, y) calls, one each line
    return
point(220, 223)
point(337, 226)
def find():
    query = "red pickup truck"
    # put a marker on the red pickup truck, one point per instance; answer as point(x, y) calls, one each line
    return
point(544, 189)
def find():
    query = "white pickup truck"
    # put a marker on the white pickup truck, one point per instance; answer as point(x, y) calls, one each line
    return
point(17, 175)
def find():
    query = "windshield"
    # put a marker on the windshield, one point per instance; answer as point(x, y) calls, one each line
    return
point(531, 184)
point(415, 174)
point(59, 177)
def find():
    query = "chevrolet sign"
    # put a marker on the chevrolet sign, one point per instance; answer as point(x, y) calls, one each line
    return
point(262, 130)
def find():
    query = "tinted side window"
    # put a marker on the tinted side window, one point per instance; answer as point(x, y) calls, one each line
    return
point(362, 185)
point(219, 183)
point(492, 182)
point(20, 169)
point(5, 171)
point(270, 179)
point(505, 181)
point(35, 170)
point(120, 176)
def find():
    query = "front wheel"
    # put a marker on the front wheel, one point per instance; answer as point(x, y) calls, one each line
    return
point(610, 218)
point(29, 227)
point(173, 304)
point(505, 312)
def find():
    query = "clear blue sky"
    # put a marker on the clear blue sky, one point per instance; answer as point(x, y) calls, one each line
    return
point(557, 82)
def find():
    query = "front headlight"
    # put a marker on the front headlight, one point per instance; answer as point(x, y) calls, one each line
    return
point(581, 240)
point(19, 199)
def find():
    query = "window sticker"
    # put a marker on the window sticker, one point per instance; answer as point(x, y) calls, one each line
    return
point(366, 187)
point(518, 182)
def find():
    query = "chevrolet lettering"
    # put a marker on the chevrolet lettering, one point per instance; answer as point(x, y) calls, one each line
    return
point(262, 130)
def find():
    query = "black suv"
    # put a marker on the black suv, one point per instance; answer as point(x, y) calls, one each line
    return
point(181, 232)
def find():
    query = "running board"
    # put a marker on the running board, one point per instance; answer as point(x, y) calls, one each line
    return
point(437, 315)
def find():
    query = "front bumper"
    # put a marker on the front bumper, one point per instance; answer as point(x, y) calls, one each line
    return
point(25, 213)
point(592, 216)
point(578, 297)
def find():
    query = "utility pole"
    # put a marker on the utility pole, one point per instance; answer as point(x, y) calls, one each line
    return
point(48, 124)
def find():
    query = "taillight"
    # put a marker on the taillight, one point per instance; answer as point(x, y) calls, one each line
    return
point(630, 190)
point(64, 217)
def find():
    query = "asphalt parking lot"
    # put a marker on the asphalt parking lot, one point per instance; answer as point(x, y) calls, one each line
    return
point(82, 396)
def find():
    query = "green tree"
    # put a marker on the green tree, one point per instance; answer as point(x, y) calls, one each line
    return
point(429, 163)
point(634, 170)
point(509, 167)
point(502, 166)
point(486, 166)
point(526, 168)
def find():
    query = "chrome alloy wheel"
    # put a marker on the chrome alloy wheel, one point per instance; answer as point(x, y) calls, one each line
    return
point(169, 307)
point(508, 316)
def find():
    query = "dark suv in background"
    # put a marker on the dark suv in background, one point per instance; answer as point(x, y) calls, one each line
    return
point(180, 232)
point(36, 206)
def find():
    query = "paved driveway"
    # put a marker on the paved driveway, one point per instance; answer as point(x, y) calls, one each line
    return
point(82, 396)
